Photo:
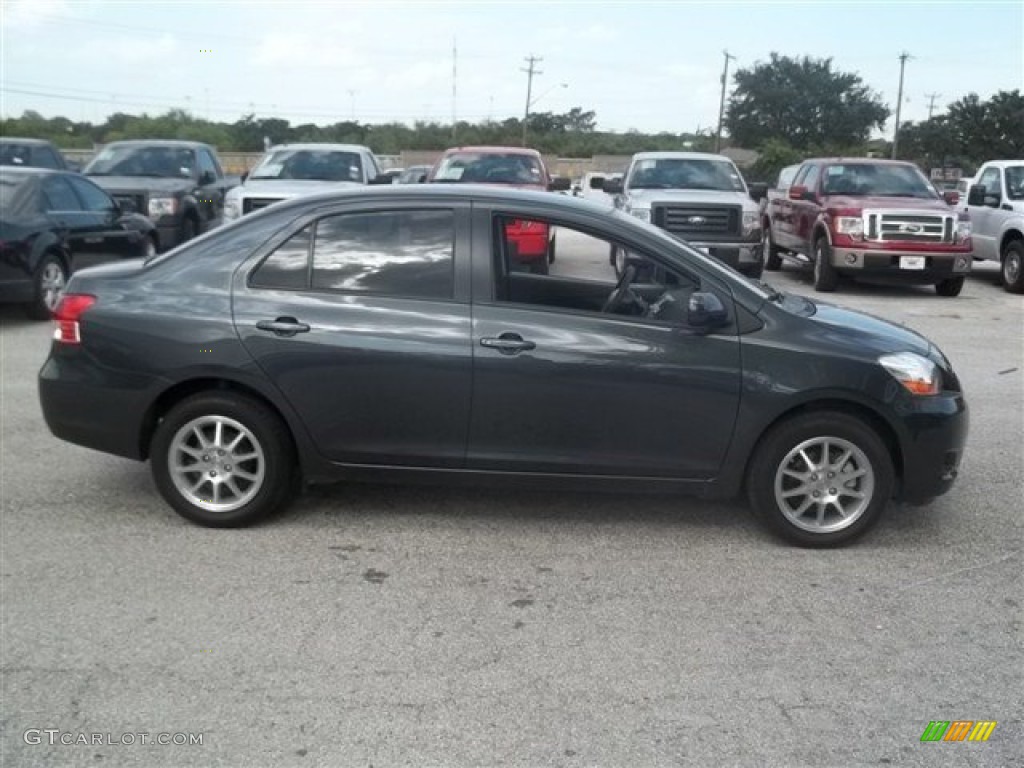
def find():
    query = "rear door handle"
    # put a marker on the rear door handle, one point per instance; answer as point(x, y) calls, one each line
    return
point(508, 343)
point(283, 326)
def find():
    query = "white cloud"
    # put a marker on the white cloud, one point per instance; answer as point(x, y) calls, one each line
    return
point(133, 50)
point(29, 13)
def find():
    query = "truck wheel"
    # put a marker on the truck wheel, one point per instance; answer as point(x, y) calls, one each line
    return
point(551, 250)
point(48, 285)
point(825, 276)
point(1012, 270)
point(770, 251)
point(820, 479)
point(754, 271)
point(950, 286)
point(189, 229)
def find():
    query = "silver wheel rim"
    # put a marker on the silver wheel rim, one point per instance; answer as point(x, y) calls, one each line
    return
point(51, 284)
point(150, 248)
point(766, 243)
point(824, 484)
point(1011, 267)
point(620, 260)
point(216, 463)
point(818, 255)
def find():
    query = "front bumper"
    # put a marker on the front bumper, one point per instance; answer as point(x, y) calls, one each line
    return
point(935, 431)
point(735, 254)
point(937, 265)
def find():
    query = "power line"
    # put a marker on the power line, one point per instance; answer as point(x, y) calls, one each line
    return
point(931, 102)
point(899, 103)
point(721, 105)
point(532, 61)
point(455, 54)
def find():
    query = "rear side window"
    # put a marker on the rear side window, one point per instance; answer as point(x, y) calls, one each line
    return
point(95, 199)
point(396, 253)
point(59, 196)
point(45, 158)
point(288, 266)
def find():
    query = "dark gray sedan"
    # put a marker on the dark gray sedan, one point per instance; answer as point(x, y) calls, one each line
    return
point(387, 333)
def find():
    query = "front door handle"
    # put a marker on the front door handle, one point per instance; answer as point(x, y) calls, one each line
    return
point(283, 326)
point(508, 343)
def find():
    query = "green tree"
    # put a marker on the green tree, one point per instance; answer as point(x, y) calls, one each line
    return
point(803, 102)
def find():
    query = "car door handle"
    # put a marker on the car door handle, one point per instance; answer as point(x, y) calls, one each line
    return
point(508, 343)
point(283, 326)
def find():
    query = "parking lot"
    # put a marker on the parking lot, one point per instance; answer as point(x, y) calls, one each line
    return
point(384, 625)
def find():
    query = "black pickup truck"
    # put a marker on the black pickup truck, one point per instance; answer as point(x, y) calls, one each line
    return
point(180, 185)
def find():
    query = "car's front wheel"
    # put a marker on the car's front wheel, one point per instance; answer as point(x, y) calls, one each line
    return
point(223, 460)
point(1012, 267)
point(770, 251)
point(821, 479)
point(48, 283)
point(826, 279)
point(951, 286)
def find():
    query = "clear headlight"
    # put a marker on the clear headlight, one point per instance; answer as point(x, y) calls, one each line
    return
point(232, 208)
point(919, 375)
point(963, 229)
point(162, 206)
point(751, 221)
point(850, 225)
point(644, 214)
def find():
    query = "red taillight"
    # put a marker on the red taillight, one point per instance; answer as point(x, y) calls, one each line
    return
point(66, 315)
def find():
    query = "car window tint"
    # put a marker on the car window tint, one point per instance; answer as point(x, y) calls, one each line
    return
point(399, 253)
point(59, 196)
point(811, 179)
point(990, 180)
point(206, 163)
point(46, 159)
point(93, 198)
point(288, 266)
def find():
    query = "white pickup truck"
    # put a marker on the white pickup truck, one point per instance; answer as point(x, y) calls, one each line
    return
point(995, 203)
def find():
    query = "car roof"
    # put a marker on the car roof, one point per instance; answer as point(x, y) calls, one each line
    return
point(158, 143)
point(857, 161)
point(1003, 163)
point(495, 150)
point(313, 145)
point(666, 155)
point(19, 140)
point(31, 170)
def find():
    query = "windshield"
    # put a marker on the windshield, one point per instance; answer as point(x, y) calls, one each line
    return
point(310, 164)
point(864, 179)
point(686, 173)
point(10, 183)
point(491, 168)
point(1015, 182)
point(15, 154)
point(165, 162)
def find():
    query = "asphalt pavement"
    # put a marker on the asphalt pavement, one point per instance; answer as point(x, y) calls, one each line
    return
point(403, 626)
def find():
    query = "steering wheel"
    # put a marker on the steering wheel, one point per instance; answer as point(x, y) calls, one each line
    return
point(621, 292)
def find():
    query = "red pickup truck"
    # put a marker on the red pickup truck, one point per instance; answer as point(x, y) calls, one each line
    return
point(870, 218)
point(532, 242)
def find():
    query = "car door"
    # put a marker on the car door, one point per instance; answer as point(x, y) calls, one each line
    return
point(561, 387)
point(805, 212)
point(75, 227)
point(106, 237)
point(782, 222)
point(984, 218)
point(211, 190)
point(361, 319)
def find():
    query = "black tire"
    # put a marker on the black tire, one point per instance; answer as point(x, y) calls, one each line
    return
point(269, 434)
point(770, 251)
point(783, 439)
point(951, 286)
point(189, 229)
point(754, 271)
point(1012, 267)
point(51, 274)
point(551, 250)
point(539, 266)
point(826, 279)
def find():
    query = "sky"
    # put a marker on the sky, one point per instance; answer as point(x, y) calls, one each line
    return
point(644, 66)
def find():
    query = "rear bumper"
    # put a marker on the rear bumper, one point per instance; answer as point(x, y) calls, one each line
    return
point(938, 265)
point(933, 446)
point(92, 406)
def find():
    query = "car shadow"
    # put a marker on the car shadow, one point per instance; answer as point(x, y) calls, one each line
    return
point(13, 316)
point(984, 274)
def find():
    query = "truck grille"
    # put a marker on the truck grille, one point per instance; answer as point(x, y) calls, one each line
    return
point(251, 204)
point(697, 221)
point(910, 227)
point(132, 203)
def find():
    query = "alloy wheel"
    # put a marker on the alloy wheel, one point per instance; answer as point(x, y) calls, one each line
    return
point(216, 463)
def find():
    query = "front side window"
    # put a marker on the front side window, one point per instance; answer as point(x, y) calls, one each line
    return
point(810, 179)
point(1015, 182)
point(406, 253)
point(990, 181)
point(93, 198)
point(59, 196)
point(45, 158)
point(206, 164)
point(686, 173)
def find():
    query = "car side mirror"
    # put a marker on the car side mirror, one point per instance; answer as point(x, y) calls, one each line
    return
point(706, 311)
point(613, 186)
point(976, 194)
point(758, 191)
point(382, 179)
point(207, 177)
point(244, 176)
point(798, 193)
point(422, 179)
point(560, 184)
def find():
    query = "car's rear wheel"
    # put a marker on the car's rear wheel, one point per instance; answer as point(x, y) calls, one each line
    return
point(770, 251)
point(821, 479)
point(950, 286)
point(826, 279)
point(551, 249)
point(223, 460)
point(1012, 271)
point(189, 229)
point(48, 283)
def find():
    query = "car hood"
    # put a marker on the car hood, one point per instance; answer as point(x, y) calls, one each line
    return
point(645, 197)
point(142, 184)
point(867, 333)
point(288, 188)
point(905, 203)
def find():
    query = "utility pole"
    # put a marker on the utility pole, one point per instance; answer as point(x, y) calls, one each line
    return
point(454, 59)
point(899, 103)
point(931, 103)
point(721, 104)
point(531, 61)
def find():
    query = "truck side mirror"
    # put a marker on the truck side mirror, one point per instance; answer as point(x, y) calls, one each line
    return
point(560, 184)
point(758, 191)
point(613, 186)
point(207, 177)
point(976, 194)
point(798, 193)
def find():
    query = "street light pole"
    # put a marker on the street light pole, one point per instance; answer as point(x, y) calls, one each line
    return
point(530, 72)
point(899, 103)
point(721, 104)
